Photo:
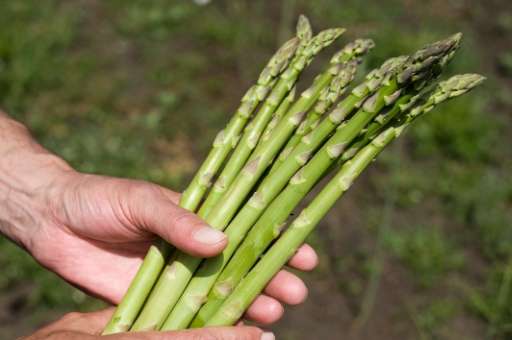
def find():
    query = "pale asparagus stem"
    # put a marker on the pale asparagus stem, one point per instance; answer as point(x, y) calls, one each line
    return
point(127, 310)
point(251, 136)
point(270, 223)
point(178, 272)
point(286, 246)
point(352, 51)
point(192, 298)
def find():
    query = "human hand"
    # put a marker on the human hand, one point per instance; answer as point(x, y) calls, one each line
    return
point(94, 231)
point(78, 326)
point(99, 229)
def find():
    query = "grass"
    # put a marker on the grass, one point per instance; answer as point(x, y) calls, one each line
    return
point(124, 88)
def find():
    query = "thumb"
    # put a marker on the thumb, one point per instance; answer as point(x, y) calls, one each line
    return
point(154, 209)
point(212, 333)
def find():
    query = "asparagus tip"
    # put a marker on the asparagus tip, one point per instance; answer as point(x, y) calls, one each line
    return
point(460, 84)
point(321, 40)
point(355, 48)
point(279, 60)
point(421, 63)
point(448, 89)
point(304, 30)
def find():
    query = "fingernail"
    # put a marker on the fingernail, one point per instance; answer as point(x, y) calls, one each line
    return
point(268, 336)
point(209, 236)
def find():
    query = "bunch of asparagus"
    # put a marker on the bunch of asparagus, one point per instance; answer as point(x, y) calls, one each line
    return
point(272, 153)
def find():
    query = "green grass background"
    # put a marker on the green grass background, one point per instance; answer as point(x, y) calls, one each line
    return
point(422, 246)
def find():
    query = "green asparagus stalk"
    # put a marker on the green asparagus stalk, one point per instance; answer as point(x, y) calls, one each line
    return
point(251, 137)
point(269, 224)
point(198, 288)
point(357, 48)
point(277, 256)
point(178, 272)
point(280, 112)
point(154, 261)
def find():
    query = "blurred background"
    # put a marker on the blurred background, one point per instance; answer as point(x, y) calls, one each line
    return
point(421, 247)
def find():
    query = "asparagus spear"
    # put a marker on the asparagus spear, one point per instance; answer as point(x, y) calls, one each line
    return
point(288, 243)
point(357, 48)
point(250, 138)
point(179, 270)
point(155, 259)
point(269, 224)
point(198, 288)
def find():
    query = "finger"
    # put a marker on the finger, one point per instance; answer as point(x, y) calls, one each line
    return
point(264, 310)
point(224, 333)
point(287, 288)
point(153, 211)
point(305, 258)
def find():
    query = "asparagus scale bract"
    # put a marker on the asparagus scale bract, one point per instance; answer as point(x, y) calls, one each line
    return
point(277, 256)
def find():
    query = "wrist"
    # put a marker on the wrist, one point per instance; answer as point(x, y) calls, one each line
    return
point(29, 176)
